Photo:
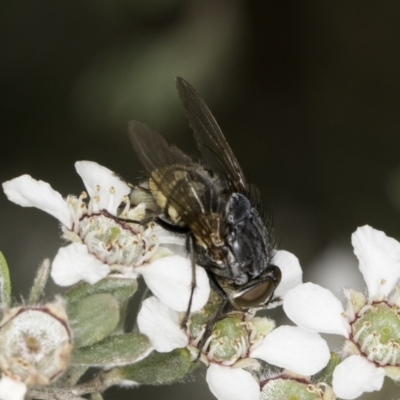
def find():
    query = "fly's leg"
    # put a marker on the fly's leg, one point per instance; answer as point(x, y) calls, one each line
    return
point(190, 247)
point(143, 221)
point(223, 308)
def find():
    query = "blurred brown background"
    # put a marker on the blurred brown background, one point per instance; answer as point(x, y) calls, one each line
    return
point(307, 93)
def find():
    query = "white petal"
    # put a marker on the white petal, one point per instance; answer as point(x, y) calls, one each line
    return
point(379, 257)
point(96, 176)
point(74, 263)
point(356, 375)
point(292, 273)
point(293, 348)
point(227, 383)
point(161, 325)
point(316, 309)
point(11, 389)
point(28, 192)
point(169, 278)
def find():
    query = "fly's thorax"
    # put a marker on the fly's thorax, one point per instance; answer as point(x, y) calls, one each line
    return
point(247, 238)
point(183, 192)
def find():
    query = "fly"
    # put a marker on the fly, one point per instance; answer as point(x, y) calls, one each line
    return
point(214, 205)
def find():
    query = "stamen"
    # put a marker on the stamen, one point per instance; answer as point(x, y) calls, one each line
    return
point(389, 353)
point(366, 325)
point(74, 215)
point(93, 205)
point(244, 347)
point(395, 352)
point(125, 200)
point(208, 341)
point(366, 308)
point(231, 361)
point(367, 340)
point(212, 351)
point(196, 341)
point(253, 333)
point(350, 311)
point(371, 355)
point(111, 199)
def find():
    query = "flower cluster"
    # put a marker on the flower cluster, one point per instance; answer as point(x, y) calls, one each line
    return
point(239, 341)
point(112, 240)
point(370, 325)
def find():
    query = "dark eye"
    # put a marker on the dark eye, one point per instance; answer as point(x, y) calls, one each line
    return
point(257, 295)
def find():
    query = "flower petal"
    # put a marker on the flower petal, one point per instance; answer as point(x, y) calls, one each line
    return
point(316, 309)
point(291, 270)
point(11, 389)
point(295, 349)
point(161, 325)
point(74, 263)
point(356, 375)
point(227, 383)
point(379, 257)
point(169, 278)
point(28, 192)
point(98, 181)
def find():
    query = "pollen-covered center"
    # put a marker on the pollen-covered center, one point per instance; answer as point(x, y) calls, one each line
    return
point(376, 333)
point(116, 243)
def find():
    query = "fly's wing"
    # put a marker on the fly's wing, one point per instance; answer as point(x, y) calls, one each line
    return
point(211, 142)
point(187, 186)
point(152, 149)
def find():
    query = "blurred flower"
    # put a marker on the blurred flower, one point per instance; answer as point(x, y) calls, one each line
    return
point(102, 243)
point(371, 326)
point(35, 344)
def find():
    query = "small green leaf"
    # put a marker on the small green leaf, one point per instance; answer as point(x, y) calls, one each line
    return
point(325, 375)
point(156, 369)
point(121, 289)
point(94, 318)
point(113, 351)
point(42, 275)
point(5, 282)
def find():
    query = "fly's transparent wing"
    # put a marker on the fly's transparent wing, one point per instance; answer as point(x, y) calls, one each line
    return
point(152, 149)
point(212, 144)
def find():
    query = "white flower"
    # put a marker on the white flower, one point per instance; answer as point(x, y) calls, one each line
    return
point(368, 324)
point(11, 389)
point(288, 347)
point(107, 192)
point(102, 244)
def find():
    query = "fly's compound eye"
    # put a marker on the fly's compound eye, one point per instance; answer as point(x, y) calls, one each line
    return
point(259, 295)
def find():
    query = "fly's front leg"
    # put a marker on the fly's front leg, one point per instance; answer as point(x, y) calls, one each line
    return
point(190, 247)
